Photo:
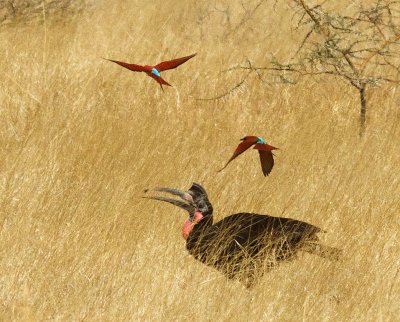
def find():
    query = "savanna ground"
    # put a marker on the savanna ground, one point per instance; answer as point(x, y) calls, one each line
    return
point(81, 138)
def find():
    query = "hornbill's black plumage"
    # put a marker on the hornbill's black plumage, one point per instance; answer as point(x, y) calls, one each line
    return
point(242, 245)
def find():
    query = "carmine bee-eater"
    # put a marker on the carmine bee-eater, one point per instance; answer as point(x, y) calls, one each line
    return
point(264, 149)
point(154, 71)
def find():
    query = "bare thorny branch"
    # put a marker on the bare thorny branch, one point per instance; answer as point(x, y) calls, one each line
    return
point(231, 90)
point(249, 13)
point(361, 48)
point(253, 70)
point(353, 44)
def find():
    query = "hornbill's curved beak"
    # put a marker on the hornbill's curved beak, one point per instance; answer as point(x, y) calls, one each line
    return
point(182, 194)
point(186, 203)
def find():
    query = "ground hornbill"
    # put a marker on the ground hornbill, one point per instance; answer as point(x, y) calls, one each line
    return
point(245, 245)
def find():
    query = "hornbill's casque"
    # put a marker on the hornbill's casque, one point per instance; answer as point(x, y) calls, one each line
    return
point(243, 245)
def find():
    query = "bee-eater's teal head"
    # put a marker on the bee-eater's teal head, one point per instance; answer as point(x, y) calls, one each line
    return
point(261, 140)
point(155, 72)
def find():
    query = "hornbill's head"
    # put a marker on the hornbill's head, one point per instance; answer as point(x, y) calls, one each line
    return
point(194, 201)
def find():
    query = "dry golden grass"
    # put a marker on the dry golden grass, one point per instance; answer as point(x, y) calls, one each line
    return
point(81, 138)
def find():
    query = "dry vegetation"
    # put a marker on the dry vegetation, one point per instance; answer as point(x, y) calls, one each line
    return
point(81, 138)
point(26, 11)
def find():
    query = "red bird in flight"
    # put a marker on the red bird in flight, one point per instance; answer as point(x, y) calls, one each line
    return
point(154, 71)
point(264, 149)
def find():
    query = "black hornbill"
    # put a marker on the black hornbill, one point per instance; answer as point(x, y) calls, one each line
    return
point(244, 245)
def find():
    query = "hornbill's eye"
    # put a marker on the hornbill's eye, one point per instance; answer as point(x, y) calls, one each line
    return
point(201, 204)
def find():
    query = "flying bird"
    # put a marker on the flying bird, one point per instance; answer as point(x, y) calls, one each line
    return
point(154, 71)
point(242, 246)
point(264, 149)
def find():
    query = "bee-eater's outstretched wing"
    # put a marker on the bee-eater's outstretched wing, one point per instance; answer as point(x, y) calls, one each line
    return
point(248, 141)
point(171, 64)
point(267, 161)
point(266, 157)
point(133, 67)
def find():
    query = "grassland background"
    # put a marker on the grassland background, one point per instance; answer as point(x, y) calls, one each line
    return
point(81, 138)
